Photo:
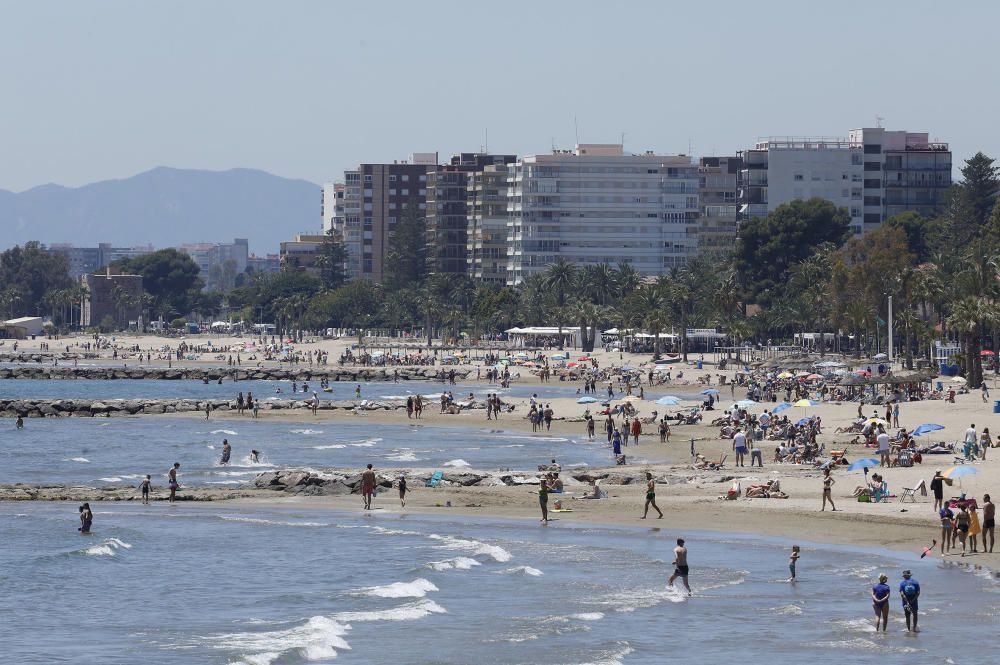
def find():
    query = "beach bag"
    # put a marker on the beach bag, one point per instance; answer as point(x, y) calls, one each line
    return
point(864, 498)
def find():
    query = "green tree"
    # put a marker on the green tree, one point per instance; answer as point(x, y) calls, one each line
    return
point(332, 262)
point(768, 246)
point(27, 273)
point(406, 260)
point(560, 277)
point(973, 199)
point(170, 276)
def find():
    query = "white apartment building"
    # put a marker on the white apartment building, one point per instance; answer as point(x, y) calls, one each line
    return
point(873, 173)
point(595, 204)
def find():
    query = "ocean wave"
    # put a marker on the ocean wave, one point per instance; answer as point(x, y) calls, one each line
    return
point(418, 588)
point(224, 482)
point(406, 612)
point(457, 463)
point(305, 431)
point(111, 479)
point(109, 547)
point(332, 446)
point(81, 460)
point(258, 520)
point(526, 570)
point(403, 456)
point(793, 610)
point(449, 542)
point(866, 645)
point(318, 638)
point(458, 563)
point(588, 616)
point(612, 656)
point(223, 431)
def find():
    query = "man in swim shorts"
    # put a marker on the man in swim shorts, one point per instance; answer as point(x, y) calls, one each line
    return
point(909, 592)
point(680, 566)
point(989, 513)
point(368, 486)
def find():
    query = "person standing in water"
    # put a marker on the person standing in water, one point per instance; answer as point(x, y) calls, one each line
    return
point(144, 487)
point(357, 391)
point(792, 560)
point(19, 423)
point(651, 497)
point(402, 491)
point(86, 518)
point(227, 450)
point(543, 497)
point(368, 486)
point(172, 480)
point(880, 602)
point(680, 566)
point(909, 591)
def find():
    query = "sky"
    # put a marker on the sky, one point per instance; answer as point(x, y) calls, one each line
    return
point(95, 90)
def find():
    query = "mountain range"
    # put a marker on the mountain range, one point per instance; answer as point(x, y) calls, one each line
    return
point(165, 207)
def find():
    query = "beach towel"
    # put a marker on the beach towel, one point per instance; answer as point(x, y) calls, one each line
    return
point(435, 479)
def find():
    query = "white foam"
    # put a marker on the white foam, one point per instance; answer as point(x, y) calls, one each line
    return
point(81, 460)
point(306, 431)
point(793, 610)
point(418, 588)
point(407, 612)
point(527, 570)
point(458, 563)
point(404, 456)
point(588, 616)
point(867, 645)
point(223, 431)
point(257, 520)
point(224, 482)
point(316, 639)
point(109, 547)
point(474, 546)
point(458, 463)
point(615, 657)
point(332, 446)
point(111, 479)
point(363, 444)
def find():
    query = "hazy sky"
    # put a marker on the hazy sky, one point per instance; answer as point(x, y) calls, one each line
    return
point(97, 90)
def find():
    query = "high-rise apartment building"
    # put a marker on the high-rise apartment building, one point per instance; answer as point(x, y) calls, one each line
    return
point(447, 210)
point(374, 198)
point(486, 205)
point(595, 204)
point(873, 173)
point(219, 263)
point(717, 185)
point(84, 260)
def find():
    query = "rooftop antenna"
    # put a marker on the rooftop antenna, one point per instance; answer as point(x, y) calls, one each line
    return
point(689, 147)
point(576, 130)
point(486, 145)
point(878, 121)
point(623, 142)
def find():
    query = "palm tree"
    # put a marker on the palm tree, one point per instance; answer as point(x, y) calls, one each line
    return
point(968, 315)
point(560, 277)
point(627, 279)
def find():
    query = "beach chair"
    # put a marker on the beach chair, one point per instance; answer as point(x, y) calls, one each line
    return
point(881, 494)
point(435, 479)
point(911, 492)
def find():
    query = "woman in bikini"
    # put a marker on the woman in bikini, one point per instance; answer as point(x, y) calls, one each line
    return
point(828, 483)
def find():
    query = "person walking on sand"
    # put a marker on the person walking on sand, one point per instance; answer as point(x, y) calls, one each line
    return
point(880, 602)
point(402, 491)
point(172, 481)
point(86, 518)
point(937, 487)
point(909, 592)
point(895, 414)
point(989, 512)
point(793, 558)
point(651, 497)
point(883, 446)
point(828, 483)
point(680, 566)
point(947, 528)
point(144, 488)
point(368, 486)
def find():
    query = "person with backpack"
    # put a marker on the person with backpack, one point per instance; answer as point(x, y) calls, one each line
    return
point(909, 592)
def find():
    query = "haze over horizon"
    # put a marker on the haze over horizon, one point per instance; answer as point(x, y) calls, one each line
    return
point(112, 89)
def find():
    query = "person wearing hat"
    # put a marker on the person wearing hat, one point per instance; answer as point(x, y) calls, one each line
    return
point(937, 487)
point(909, 592)
point(880, 601)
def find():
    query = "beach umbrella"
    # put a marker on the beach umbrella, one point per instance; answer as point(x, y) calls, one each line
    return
point(880, 356)
point(986, 352)
point(877, 421)
point(572, 364)
point(959, 471)
point(865, 463)
point(802, 421)
point(926, 428)
point(802, 403)
point(958, 379)
point(746, 403)
point(785, 375)
point(781, 407)
point(709, 391)
point(586, 399)
point(813, 377)
point(669, 400)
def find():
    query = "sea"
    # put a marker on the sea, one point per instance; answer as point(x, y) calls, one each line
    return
point(244, 584)
point(120, 451)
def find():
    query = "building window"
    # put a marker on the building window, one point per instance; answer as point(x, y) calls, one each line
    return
point(873, 218)
point(392, 220)
point(798, 177)
point(404, 192)
point(392, 178)
point(368, 178)
point(873, 200)
point(406, 178)
point(873, 166)
point(392, 192)
point(871, 183)
point(873, 149)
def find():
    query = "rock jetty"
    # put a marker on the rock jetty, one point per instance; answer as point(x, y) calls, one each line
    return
point(90, 408)
point(356, 374)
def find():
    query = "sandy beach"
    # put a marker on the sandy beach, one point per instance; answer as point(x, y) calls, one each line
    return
point(690, 498)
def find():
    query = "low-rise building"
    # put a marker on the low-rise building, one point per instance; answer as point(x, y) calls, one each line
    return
point(302, 253)
point(111, 297)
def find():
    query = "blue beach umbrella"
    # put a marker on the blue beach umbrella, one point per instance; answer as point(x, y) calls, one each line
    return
point(669, 400)
point(586, 399)
point(781, 407)
point(709, 391)
point(959, 471)
point(802, 421)
point(926, 428)
point(865, 463)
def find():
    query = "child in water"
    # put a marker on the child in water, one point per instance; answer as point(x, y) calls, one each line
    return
point(792, 559)
point(144, 488)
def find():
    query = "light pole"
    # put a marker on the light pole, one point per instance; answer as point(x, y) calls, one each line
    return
point(890, 330)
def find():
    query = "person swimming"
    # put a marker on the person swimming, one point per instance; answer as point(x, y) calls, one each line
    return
point(255, 456)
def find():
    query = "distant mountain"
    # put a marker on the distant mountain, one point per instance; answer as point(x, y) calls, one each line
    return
point(164, 207)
